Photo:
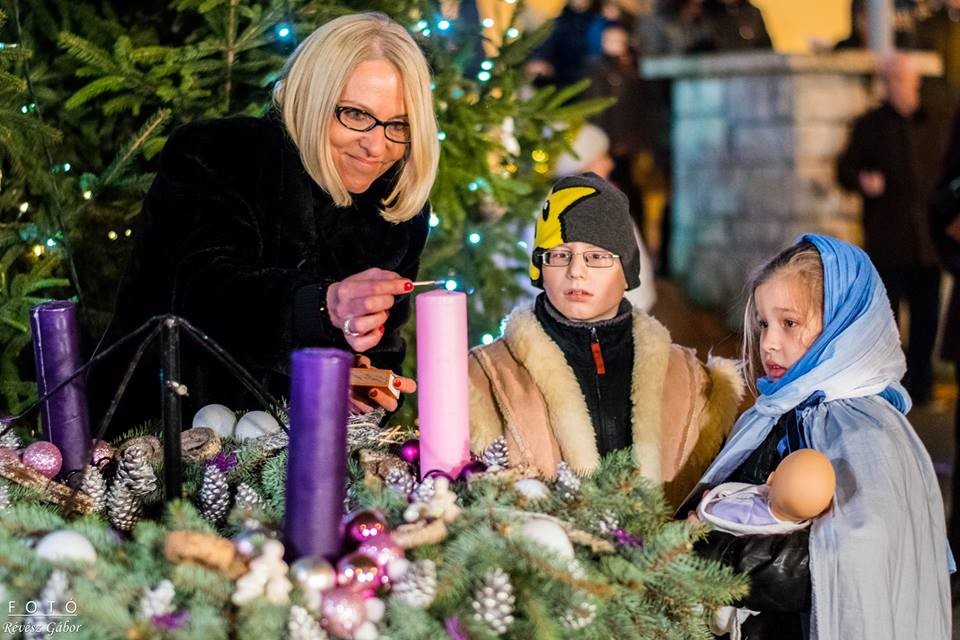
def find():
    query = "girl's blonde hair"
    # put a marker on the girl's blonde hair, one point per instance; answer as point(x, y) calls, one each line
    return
point(801, 261)
point(313, 80)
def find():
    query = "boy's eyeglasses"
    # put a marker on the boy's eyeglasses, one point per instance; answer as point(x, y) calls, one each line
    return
point(359, 120)
point(595, 259)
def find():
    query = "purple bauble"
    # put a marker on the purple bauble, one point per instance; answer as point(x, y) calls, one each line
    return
point(438, 473)
point(472, 468)
point(383, 549)
point(102, 453)
point(410, 451)
point(359, 572)
point(343, 611)
point(44, 457)
point(365, 525)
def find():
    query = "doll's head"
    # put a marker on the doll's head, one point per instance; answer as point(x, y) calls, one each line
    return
point(784, 313)
point(585, 254)
point(802, 485)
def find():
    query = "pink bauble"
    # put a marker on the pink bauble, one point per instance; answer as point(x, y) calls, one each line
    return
point(383, 549)
point(365, 525)
point(343, 611)
point(410, 451)
point(44, 457)
point(360, 573)
point(102, 453)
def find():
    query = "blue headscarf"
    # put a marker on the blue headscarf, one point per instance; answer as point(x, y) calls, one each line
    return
point(883, 541)
point(851, 285)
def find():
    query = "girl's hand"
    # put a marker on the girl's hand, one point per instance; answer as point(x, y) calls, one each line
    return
point(360, 304)
point(364, 400)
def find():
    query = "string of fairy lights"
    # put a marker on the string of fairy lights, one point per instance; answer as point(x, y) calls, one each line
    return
point(284, 32)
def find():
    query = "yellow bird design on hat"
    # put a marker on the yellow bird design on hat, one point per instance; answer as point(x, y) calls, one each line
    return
point(549, 232)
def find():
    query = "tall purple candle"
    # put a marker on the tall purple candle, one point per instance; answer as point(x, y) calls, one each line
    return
point(316, 468)
point(56, 350)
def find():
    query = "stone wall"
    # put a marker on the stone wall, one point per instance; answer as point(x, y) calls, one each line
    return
point(755, 140)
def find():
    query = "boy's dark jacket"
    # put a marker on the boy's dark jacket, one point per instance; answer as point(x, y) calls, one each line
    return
point(237, 238)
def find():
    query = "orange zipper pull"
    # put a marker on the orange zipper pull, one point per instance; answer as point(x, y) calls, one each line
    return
point(597, 353)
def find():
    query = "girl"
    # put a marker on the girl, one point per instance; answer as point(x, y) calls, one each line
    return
point(819, 325)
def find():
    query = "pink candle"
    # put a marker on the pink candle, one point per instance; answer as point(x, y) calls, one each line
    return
point(442, 394)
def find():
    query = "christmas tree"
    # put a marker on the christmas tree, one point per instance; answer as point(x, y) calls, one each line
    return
point(89, 92)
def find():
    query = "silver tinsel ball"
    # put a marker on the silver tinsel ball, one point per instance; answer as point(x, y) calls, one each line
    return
point(273, 441)
point(157, 601)
point(363, 430)
point(123, 508)
point(135, 471)
point(418, 586)
point(214, 495)
point(493, 602)
point(567, 483)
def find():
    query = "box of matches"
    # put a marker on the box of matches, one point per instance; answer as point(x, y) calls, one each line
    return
point(380, 379)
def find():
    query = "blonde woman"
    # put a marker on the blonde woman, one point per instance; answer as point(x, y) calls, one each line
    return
point(301, 228)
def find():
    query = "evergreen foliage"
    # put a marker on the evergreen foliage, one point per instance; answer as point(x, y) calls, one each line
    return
point(89, 92)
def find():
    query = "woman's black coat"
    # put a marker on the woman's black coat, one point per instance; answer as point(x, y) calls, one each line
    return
point(237, 238)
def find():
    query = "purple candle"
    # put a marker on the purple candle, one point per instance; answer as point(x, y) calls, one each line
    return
point(56, 349)
point(316, 468)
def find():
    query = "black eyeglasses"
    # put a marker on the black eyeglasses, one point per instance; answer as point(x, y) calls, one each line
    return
point(359, 120)
point(594, 259)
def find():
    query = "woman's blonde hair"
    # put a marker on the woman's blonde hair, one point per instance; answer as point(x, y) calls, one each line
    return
point(802, 261)
point(313, 80)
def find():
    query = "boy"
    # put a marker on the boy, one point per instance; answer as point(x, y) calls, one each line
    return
point(581, 373)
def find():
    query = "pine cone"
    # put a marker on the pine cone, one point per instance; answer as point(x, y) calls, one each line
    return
point(579, 616)
point(4, 496)
point(52, 601)
point(214, 495)
point(567, 483)
point(418, 586)
point(247, 498)
point(493, 602)
point(94, 486)
point(9, 440)
point(303, 626)
point(608, 523)
point(400, 480)
point(135, 472)
point(123, 508)
point(424, 491)
point(496, 456)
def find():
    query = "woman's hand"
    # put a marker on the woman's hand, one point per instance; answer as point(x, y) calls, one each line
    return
point(362, 403)
point(360, 304)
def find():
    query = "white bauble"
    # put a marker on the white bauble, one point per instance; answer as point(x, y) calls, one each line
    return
point(532, 489)
point(66, 545)
point(548, 534)
point(255, 424)
point(217, 417)
point(376, 609)
point(366, 631)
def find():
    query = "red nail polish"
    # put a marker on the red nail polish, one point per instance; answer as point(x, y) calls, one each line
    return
point(408, 286)
point(373, 393)
point(397, 383)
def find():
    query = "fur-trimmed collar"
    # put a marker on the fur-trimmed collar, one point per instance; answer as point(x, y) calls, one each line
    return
point(569, 418)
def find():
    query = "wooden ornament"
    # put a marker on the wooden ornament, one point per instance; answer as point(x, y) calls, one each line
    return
point(205, 549)
point(382, 380)
point(199, 444)
point(150, 443)
point(49, 490)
